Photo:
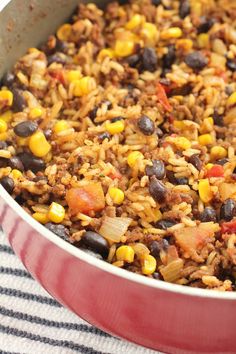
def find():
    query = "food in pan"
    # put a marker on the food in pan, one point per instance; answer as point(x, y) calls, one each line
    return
point(119, 134)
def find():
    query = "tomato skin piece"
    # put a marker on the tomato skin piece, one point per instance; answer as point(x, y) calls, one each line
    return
point(86, 199)
point(228, 227)
point(216, 171)
point(162, 97)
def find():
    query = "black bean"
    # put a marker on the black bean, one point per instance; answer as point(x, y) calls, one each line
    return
point(149, 60)
point(96, 242)
point(15, 163)
point(218, 119)
point(156, 2)
point(195, 161)
point(31, 162)
point(157, 246)
point(205, 24)
point(19, 102)
point(103, 136)
point(3, 145)
point(176, 180)
point(208, 214)
point(91, 253)
point(25, 129)
point(8, 79)
point(57, 58)
point(157, 276)
point(157, 169)
point(184, 8)
point(231, 64)
point(222, 162)
point(159, 132)
point(93, 113)
point(157, 190)
point(164, 224)
point(133, 60)
point(169, 57)
point(196, 60)
point(7, 183)
point(116, 119)
point(61, 46)
point(59, 230)
point(228, 209)
point(146, 125)
point(3, 162)
point(47, 133)
point(181, 91)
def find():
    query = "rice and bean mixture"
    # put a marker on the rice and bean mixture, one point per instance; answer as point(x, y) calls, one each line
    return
point(119, 135)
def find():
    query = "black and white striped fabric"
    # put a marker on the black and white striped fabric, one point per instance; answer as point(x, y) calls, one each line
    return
point(32, 322)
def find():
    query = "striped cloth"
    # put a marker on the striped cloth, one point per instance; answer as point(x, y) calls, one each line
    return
point(32, 322)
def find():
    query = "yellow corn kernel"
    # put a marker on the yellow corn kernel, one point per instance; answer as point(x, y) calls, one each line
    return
point(6, 116)
point(203, 40)
point(84, 86)
point(125, 253)
point(207, 125)
point(182, 143)
point(16, 174)
point(232, 99)
point(209, 166)
point(35, 112)
point(3, 136)
point(106, 52)
point(56, 213)
point(149, 32)
point(64, 32)
point(205, 139)
point(6, 98)
point(115, 127)
point(124, 48)
point(158, 215)
point(41, 217)
point(218, 152)
point(184, 44)
point(205, 191)
point(133, 157)
point(38, 144)
point(172, 32)
point(61, 126)
point(73, 75)
point(134, 22)
point(149, 264)
point(3, 126)
point(117, 195)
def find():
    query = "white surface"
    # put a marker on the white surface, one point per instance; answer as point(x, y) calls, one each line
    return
point(3, 3)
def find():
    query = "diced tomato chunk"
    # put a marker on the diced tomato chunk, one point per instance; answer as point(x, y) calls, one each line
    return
point(86, 199)
point(228, 227)
point(162, 97)
point(216, 171)
point(58, 75)
point(193, 238)
point(115, 174)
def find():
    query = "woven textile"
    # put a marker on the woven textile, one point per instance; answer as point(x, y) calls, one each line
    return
point(32, 322)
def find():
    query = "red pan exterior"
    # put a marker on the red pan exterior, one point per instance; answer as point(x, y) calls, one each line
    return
point(159, 319)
